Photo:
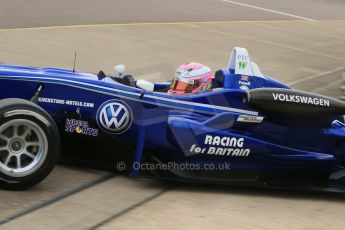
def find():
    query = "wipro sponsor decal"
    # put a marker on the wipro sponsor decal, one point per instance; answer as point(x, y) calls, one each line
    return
point(301, 99)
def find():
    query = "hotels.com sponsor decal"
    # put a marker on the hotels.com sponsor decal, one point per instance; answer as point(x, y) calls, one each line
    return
point(65, 102)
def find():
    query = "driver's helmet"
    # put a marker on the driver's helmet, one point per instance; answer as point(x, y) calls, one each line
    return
point(192, 77)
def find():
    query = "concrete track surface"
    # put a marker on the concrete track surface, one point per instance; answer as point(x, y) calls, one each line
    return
point(298, 42)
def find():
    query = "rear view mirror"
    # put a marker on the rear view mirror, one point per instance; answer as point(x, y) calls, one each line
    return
point(120, 69)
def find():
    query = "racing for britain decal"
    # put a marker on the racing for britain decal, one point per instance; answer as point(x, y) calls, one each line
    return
point(114, 116)
point(221, 146)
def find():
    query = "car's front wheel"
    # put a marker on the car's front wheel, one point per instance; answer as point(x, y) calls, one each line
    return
point(29, 144)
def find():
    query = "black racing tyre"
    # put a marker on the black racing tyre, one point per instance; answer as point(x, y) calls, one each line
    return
point(29, 144)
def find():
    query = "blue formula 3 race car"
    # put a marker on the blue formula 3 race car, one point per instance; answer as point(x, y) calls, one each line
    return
point(248, 129)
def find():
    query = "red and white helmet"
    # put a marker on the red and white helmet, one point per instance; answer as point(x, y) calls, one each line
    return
point(192, 77)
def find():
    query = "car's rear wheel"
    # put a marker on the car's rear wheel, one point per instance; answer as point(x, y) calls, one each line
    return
point(29, 144)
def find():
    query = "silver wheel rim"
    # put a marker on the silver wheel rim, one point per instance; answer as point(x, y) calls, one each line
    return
point(23, 147)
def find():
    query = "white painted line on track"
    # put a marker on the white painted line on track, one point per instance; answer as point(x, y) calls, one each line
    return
point(315, 76)
point(90, 26)
point(269, 10)
point(324, 87)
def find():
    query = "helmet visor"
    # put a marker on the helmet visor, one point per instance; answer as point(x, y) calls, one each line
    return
point(182, 85)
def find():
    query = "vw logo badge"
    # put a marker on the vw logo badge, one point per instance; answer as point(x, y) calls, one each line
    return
point(114, 116)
